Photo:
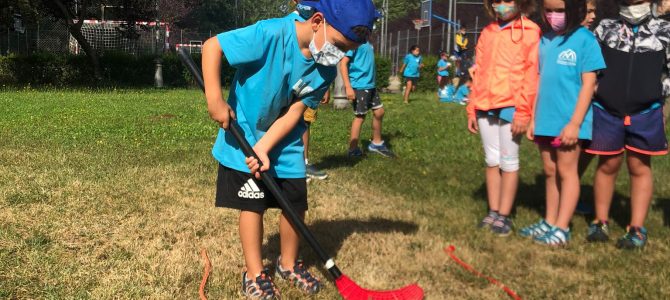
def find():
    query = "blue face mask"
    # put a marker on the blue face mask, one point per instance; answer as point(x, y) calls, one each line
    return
point(505, 12)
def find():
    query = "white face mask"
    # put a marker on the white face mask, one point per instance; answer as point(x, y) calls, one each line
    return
point(635, 14)
point(329, 55)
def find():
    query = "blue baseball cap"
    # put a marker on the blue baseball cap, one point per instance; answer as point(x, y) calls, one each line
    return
point(346, 15)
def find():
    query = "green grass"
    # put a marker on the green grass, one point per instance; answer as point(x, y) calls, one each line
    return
point(109, 194)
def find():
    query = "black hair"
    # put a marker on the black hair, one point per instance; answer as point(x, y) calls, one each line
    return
point(462, 80)
point(362, 32)
point(575, 13)
point(414, 47)
point(443, 53)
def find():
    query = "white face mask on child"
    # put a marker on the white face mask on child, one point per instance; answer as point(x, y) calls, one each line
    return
point(329, 55)
point(635, 14)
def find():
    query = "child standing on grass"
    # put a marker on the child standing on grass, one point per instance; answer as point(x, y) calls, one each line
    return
point(442, 72)
point(300, 58)
point(628, 114)
point(569, 59)
point(410, 69)
point(504, 87)
point(358, 74)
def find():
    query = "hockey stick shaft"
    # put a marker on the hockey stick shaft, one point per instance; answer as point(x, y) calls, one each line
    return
point(270, 183)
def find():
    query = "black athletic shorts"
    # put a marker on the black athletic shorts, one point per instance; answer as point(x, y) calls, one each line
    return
point(239, 190)
point(365, 101)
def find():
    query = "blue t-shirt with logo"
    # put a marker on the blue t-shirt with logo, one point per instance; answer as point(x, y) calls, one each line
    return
point(272, 73)
point(362, 67)
point(412, 64)
point(563, 60)
point(441, 64)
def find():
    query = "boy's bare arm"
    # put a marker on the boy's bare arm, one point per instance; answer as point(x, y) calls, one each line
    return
point(219, 110)
point(344, 71)
point(277, 131)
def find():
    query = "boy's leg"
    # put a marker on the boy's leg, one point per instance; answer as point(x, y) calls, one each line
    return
point(356, 125)
point(552, 194)
point(377, 125)
point(641, 186)
point(603, 183)
point(251, 235)
point(567, 169)
point(290, 241)
point(509, 165)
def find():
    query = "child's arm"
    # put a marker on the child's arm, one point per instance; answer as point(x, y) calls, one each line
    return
point(402, 69)
point(219, 110)
point(524, 106)
point(277, 131)
point(570, 133)
point(344, 71)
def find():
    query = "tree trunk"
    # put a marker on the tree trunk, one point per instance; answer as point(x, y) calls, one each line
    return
point(75, 30)
point(91, 53)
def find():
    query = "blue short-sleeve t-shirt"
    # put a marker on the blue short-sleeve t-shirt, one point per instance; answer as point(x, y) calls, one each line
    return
point(462, 93)
point(412, 64)
point(362, 67)
point(271, 74)
point(441, 64)
point(563, 60)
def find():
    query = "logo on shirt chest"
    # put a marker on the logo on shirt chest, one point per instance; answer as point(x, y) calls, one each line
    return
point(567, 58)
point(301, 89)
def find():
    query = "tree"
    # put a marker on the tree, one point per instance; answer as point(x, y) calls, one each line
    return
point(73, 13)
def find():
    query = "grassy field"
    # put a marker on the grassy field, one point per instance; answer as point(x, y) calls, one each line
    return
point(109, 194)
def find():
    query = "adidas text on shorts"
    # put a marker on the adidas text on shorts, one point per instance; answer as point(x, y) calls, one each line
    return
point(239, 190)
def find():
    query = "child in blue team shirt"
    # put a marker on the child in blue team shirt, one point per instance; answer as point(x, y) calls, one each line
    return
point(300, 58)
point(410, 69)
point(463, 91)
point(442, 71)
point(569, 58)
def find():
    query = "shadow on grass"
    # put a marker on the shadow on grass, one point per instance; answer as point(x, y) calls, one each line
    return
point(344, 161)
point(531, 195)
point(332, 234)
point(664, 206)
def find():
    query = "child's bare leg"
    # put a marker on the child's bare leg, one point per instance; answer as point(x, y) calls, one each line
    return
point(641, 186)
point(377, 125)
point(548, 155)
point(509, 165)
point(251, 235)
point(493, 183)
point(290, 241)
point(356, 131)
point(305, 141)
point(408, 88)
point(603, 183)
point(567, 164)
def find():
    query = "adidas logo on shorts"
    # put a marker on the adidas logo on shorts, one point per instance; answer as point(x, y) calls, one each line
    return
point(250, 191)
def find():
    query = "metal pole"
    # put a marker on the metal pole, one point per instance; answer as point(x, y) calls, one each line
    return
point(397, 54)
point(158, 76)
point(430, 34)
point(450, 17)
point(476, 29)
point(407, 42)
point(389, 47)
point(442, 38)
point(418, 35)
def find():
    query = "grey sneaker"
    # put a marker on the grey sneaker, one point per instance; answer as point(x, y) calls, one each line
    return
point(488, 220)
point(300, 277)
point(261, 288)
point(314, 173)
point(381, 149)
point(502, 226)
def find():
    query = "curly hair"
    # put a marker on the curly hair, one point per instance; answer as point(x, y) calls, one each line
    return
point(526, 7)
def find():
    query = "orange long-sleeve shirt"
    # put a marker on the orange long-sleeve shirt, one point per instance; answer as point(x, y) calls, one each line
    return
point(506, 69)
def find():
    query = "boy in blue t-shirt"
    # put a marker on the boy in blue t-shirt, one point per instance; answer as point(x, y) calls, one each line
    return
point(358, 74)
point(300, 59)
